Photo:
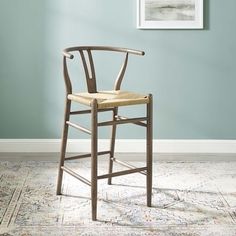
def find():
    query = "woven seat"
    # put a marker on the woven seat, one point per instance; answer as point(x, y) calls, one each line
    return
point(108, 99)
point(103, 101)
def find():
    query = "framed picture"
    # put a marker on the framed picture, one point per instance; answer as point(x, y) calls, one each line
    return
point(170, 14)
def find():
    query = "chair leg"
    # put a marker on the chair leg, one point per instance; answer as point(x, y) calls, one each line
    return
point(63, 146)
point(149, 151)
point(112, 145)
point(94, 137)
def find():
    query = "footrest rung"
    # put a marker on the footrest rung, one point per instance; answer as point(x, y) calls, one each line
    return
point(86, 155)
point(79, 127)
point(77, 176)
point(127, 165)
point(124, 172)
point(122, 121)
point(136, 122)
point(89, 111)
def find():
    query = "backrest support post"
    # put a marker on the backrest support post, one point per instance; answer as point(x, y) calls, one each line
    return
point(66, 77)
point(121, 73)
point(89, 71)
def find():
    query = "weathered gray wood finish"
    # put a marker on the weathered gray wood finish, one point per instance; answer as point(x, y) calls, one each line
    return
point(89, 69)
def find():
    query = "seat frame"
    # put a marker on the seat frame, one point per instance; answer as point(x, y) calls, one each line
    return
point(116, 120)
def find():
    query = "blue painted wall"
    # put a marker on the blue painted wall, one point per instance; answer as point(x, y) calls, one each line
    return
point(191, 73)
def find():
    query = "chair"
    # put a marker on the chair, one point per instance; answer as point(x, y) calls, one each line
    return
point(102, 101)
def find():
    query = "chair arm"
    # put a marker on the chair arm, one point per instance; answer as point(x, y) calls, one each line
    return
point(101, 48)
point(67, 54)
point(136, 52)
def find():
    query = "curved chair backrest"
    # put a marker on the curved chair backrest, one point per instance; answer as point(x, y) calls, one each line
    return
point(87, 61)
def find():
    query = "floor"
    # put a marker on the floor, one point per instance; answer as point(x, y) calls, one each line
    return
point(189, 199)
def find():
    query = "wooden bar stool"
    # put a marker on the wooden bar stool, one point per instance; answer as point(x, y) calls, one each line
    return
point(102, 101)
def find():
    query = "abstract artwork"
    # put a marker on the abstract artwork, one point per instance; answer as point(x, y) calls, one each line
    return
point(164, 14)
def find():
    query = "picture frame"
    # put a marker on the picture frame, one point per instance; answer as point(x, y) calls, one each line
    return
point(170, 14)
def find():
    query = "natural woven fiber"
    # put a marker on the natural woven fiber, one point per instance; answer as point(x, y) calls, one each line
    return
point(107, 99)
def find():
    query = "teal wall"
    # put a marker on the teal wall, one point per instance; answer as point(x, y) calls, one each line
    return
point(191, 73)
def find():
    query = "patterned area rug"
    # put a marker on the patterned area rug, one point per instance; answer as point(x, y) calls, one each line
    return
point(189, 199)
